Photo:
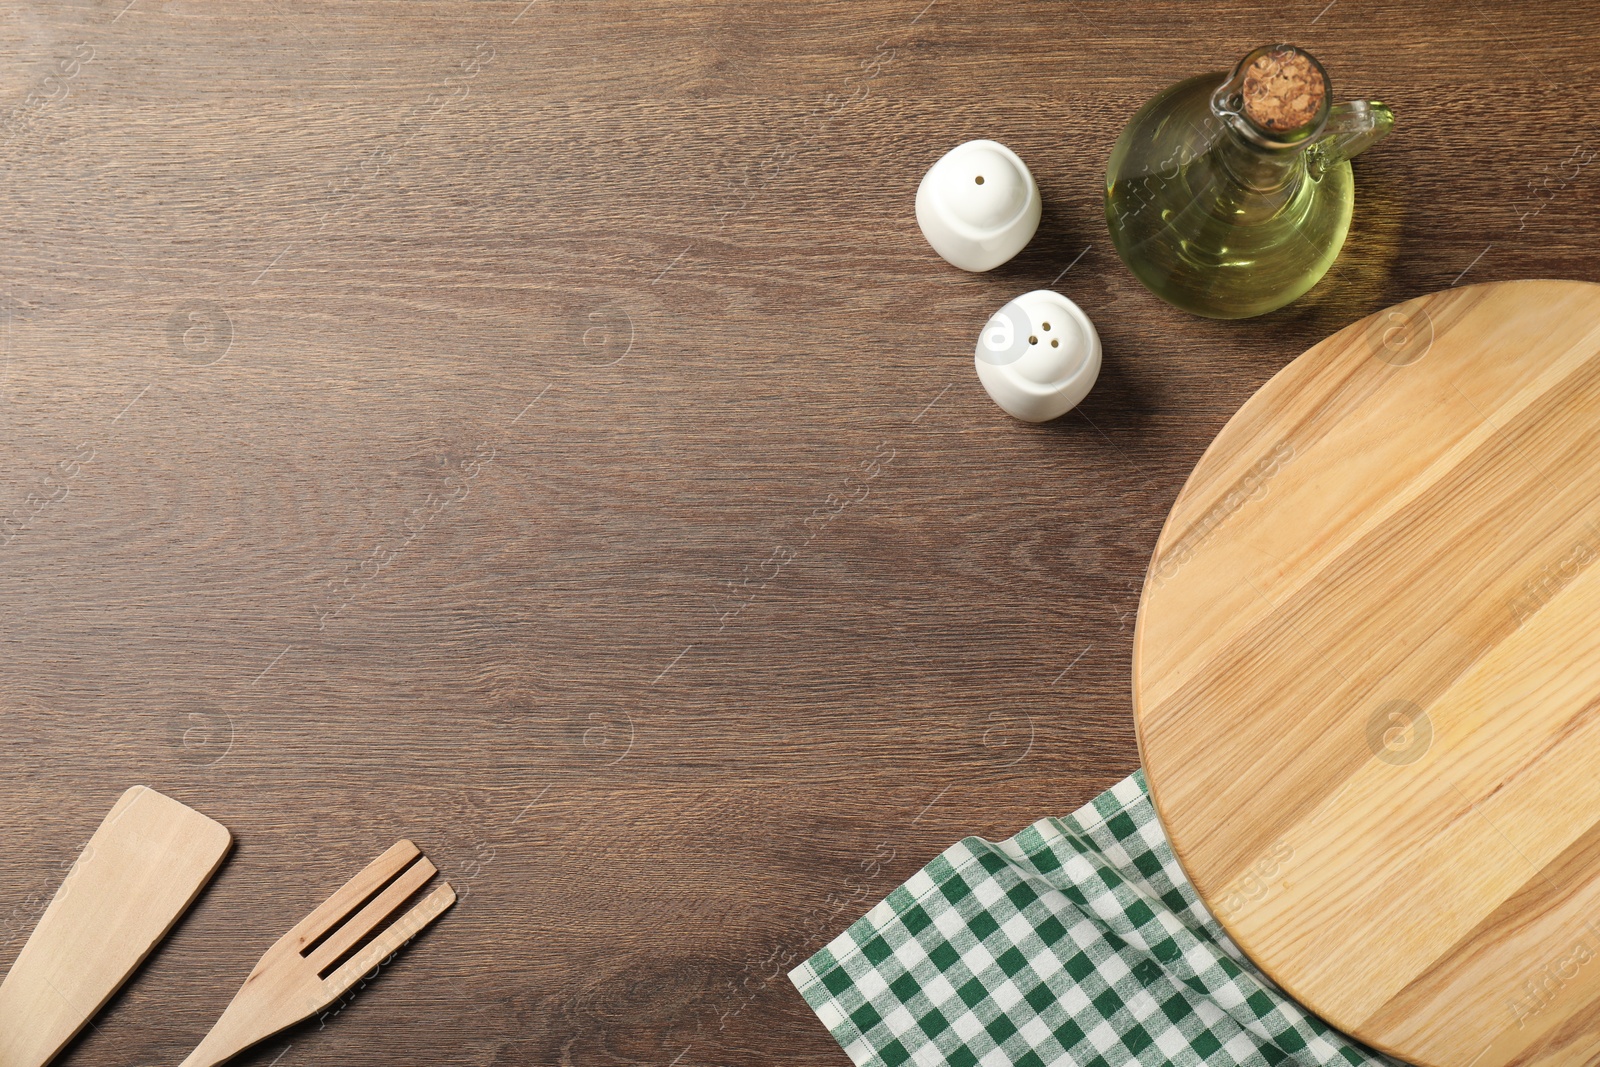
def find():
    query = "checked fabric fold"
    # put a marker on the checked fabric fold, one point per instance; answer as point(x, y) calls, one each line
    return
point(1079, 941)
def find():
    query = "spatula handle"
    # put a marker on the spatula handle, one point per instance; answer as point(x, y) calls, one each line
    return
point(140, 871)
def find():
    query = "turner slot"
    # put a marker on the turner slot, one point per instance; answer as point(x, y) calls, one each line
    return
point(355, 907)
point(374, 921)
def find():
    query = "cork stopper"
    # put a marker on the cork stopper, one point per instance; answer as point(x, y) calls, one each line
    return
point(1284, 89)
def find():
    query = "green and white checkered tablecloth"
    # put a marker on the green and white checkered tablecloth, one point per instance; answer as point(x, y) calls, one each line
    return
point(1079, 941)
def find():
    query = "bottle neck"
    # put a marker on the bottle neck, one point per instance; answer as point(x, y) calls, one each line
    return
point(1256, 167)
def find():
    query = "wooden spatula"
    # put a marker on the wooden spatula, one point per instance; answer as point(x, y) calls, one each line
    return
point(140, 871)
point(318, 961)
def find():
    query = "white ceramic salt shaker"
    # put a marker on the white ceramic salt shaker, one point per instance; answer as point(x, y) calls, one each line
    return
point(1038, 356)
point(978, 205)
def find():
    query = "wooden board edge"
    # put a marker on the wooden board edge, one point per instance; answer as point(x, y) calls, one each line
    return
point(1248, 410)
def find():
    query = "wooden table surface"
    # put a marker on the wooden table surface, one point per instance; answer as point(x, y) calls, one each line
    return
point(541, 431)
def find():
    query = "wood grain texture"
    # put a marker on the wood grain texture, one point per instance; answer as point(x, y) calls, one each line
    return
point(1366, 675)
point(761, 603)
point(135, 878)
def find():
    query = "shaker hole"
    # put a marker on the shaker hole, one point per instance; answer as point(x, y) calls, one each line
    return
point(979, 179)
point(1033, 340)
point(1054, 343)
point(1047, 327)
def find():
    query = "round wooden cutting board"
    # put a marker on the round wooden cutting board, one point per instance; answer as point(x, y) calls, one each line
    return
point(1367, 677)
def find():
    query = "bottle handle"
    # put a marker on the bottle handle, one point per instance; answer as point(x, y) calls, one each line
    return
point(1352, 128)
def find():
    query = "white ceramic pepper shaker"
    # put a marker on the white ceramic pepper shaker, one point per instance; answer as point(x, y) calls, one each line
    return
point(1038, 356)
point(978, 205)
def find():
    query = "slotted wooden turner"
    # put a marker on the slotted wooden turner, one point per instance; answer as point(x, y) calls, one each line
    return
point(312, 965)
